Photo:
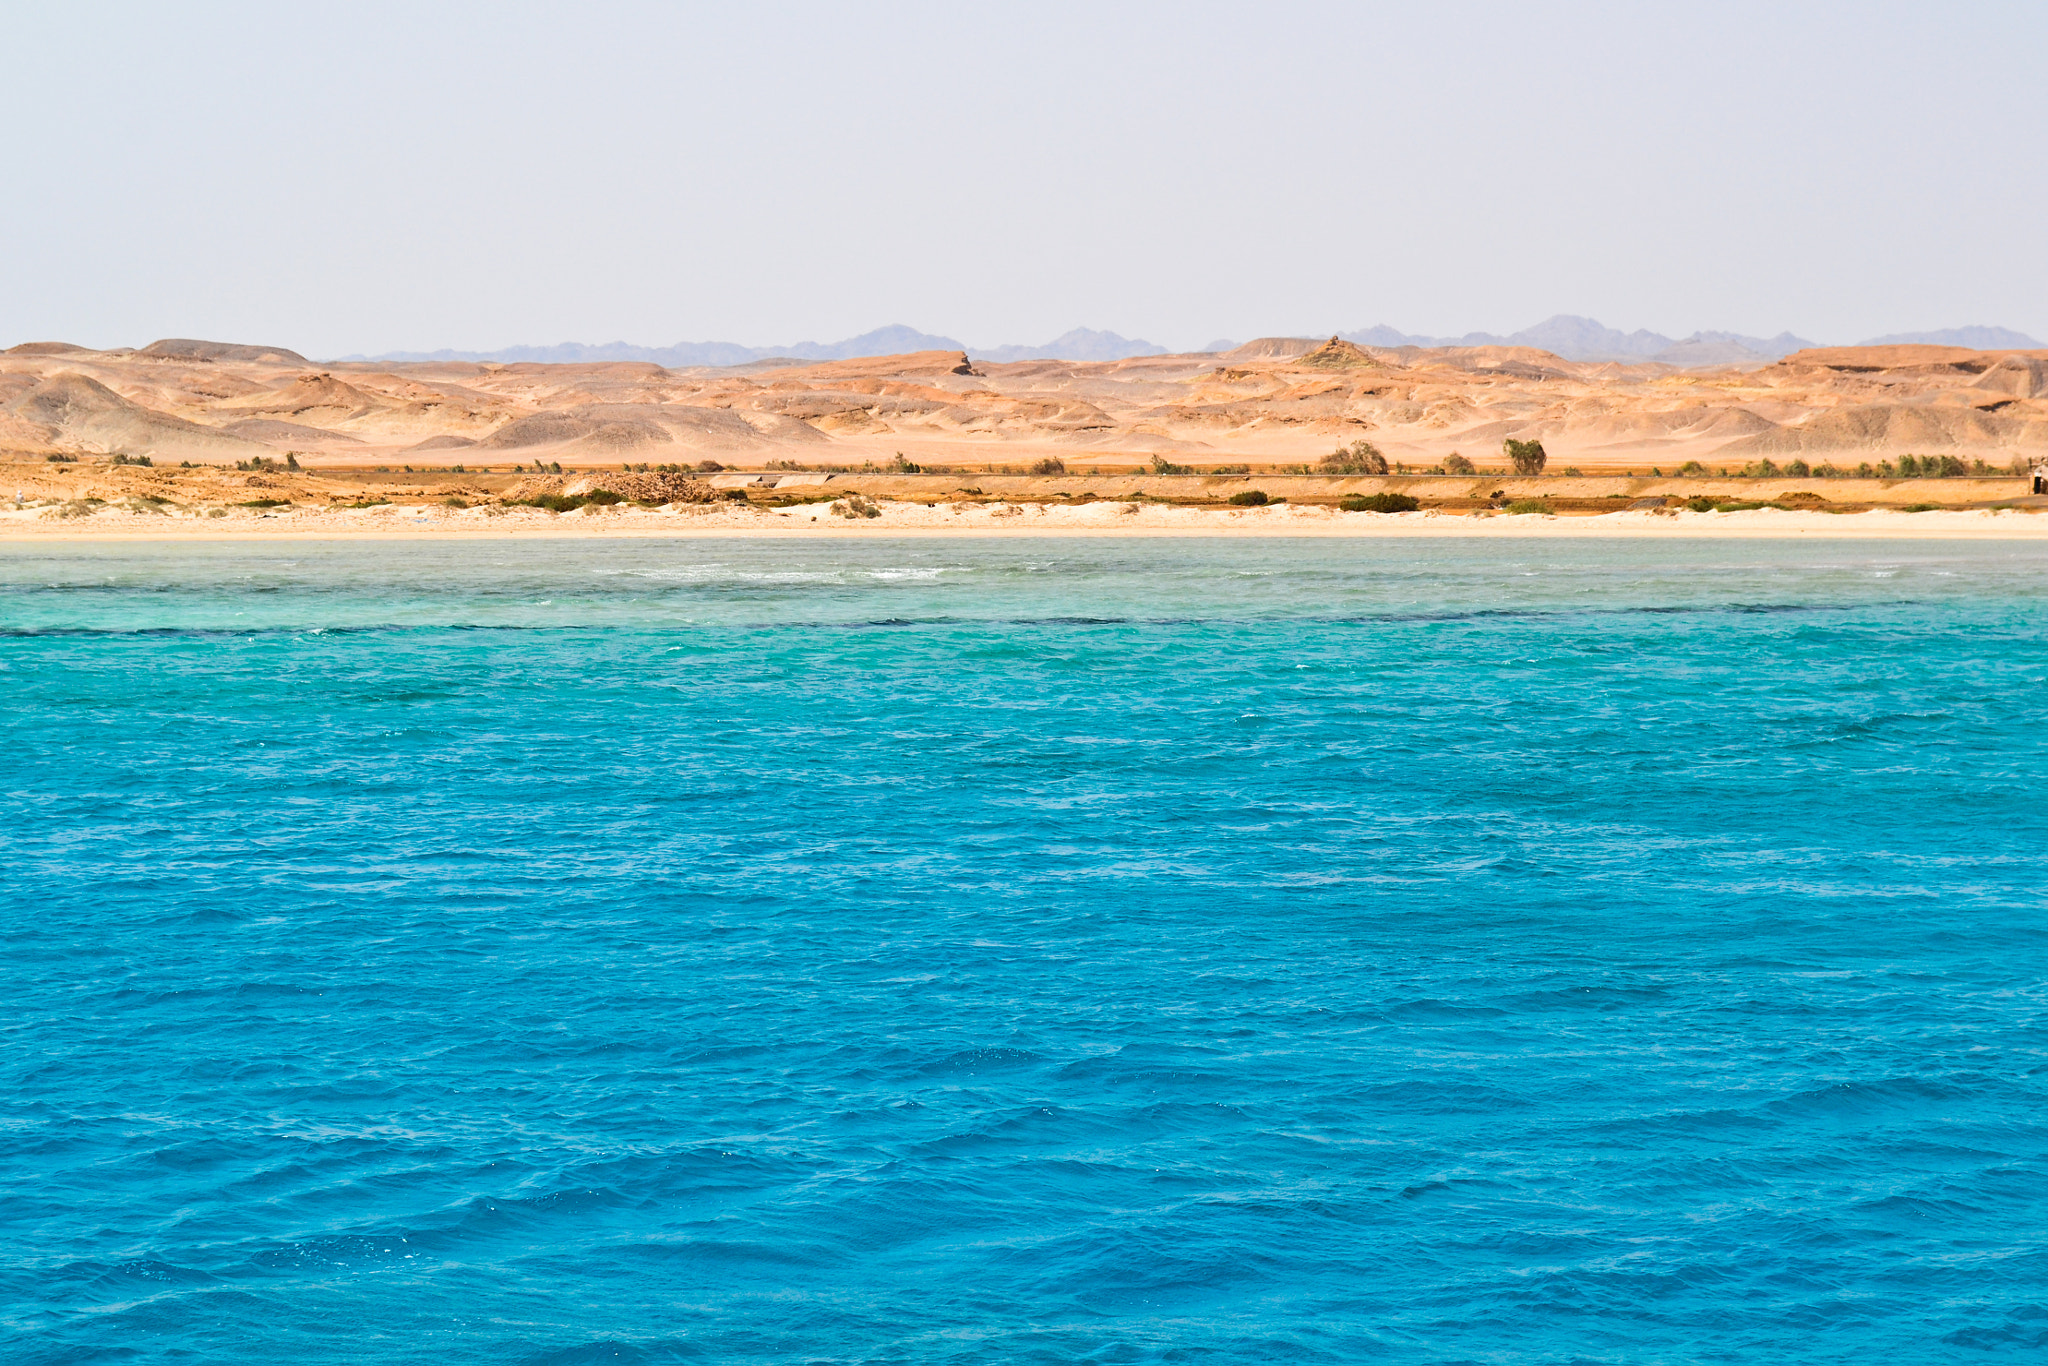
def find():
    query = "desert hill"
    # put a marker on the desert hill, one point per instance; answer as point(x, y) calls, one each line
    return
point(1272, 401)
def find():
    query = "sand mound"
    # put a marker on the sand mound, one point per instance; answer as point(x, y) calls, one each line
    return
point(1878, 427)
point(442, 443)
point(912, 364)
point(1337, 354)
point(1271, 348)
point(605, 429)
point(538, 429)
point(1868, 358)
point(319, 396)
point(2019, 376)
point(43, 349)
point(80, 411)
point(186, 349)
point(285, 433)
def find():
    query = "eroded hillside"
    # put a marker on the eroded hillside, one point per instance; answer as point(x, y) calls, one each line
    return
point(1269, 403)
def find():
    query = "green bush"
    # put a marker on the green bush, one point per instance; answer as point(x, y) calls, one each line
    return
point(1527, 457)
point(1701, 504)
point(1052, 464)
point(1379, 502)
point(61, 459)
point(1361, 457)
point(266, 503)
point(1692, 469)
point(142, 460)
point(853, 505)
point(1161, 465)
point(1522, 506)
point(1250, 498)
point(1458, 464)
point(1798, 469)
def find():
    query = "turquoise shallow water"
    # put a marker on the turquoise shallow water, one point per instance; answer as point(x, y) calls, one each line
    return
point(1042, 952)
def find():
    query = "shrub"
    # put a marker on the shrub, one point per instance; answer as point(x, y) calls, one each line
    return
point(604, 498)
point(1798, 469)
point(1052, 464)
point(1250, 498)
point(1522, 506)
point(266, 503)
point(853, 505)
point(1692, 469)
point(1161, 465)
point(1700, 504)
point(142, 460)
point(1951, 468)
point(1909, 467)
point(61, 459)
point(451, 501)
point(903, 466)
point(553, 502)
point(1864, 471)
point(1379, 502)
point(1360, 457)
point(1762, 469)
point(1918, 507)
point(1457, 464)
point(1527, 457)
point(291, 460)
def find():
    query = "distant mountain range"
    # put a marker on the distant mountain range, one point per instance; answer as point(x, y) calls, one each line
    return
point(1572, 337)
point(1585, 339)
point(1079, 344)
point(1977, 338)
point(1577, 338)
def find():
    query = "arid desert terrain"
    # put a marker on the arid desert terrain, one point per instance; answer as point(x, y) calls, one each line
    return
point(1266, 404)
point(191, 430)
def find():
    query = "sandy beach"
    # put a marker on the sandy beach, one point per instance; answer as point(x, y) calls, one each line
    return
point(818, 521)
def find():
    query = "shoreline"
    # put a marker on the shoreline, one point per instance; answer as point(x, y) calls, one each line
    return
point(1005, 520)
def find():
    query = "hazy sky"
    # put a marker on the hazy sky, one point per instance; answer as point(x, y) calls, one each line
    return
point(366, 177)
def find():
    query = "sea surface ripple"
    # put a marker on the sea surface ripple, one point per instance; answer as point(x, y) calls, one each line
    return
point(1024, 951)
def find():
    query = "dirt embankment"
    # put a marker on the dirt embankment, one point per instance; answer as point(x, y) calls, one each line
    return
point(83, 487)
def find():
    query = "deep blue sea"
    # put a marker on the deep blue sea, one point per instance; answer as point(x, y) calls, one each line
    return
point(1024, 951)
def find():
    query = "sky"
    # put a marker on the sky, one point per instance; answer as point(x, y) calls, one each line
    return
point(371, 177)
